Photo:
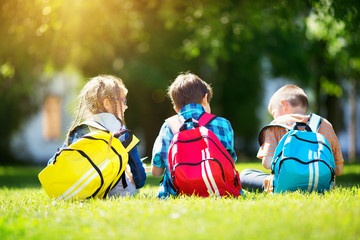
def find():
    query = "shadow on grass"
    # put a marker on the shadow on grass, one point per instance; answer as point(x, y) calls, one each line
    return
point(27, 177)
point(348, 180)
point(19, 177)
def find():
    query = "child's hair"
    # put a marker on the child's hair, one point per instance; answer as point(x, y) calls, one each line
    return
point(188, 88)
point(292, 93)
point(92, 96)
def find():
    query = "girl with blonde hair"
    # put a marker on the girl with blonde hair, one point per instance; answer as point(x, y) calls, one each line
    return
point(102, 101)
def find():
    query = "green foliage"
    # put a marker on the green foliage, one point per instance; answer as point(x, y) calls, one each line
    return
point(27, 213)
point(22, 54)
point(147, 43)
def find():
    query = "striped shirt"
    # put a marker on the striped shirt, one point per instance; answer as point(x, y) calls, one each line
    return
point(274, 134)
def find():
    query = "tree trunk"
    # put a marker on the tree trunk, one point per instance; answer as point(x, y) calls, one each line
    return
point(352, 125)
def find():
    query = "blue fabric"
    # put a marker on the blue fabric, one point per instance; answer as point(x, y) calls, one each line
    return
point(136, 166)
point(302, 160)
point(220, 126)
point(137, 169)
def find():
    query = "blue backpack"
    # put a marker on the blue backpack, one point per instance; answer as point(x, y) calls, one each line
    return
point(303, 159)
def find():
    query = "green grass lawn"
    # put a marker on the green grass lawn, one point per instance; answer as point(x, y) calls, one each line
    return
point(27, 213)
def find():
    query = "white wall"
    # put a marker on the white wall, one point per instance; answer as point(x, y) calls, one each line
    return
point(29, 142)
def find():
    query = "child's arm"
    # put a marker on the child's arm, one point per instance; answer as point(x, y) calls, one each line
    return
point(339, 168)
point(266, 162)
point(157, 171)
point(337, 153)
point(224, 131)
point(266, 150)
point(137, 168)
point(160, 151)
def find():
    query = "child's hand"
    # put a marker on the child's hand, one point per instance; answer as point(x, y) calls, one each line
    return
point(147, 169)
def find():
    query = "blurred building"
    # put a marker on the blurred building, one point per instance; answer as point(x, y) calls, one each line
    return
point(45, 131)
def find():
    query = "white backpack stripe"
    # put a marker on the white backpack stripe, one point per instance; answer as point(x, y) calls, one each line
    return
point(210, 175)
point(206, 173)
point(92, 173)
point(207, 153)
point(89, 180)
point(75, 185)
point(316, 176)
point(311, 176)
point(206, 181)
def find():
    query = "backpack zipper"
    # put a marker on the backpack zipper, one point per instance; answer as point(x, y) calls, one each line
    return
point(306, 163)
point(194, 164)
point(202, 137)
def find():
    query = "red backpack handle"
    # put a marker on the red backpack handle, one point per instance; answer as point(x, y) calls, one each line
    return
point(206, 118)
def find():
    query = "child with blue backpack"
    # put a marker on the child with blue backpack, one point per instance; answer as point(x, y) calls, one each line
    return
point(102, 104)
point(191, 97)
point(288, 106)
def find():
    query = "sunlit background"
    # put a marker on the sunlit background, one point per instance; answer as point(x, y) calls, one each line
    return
point(246, 49)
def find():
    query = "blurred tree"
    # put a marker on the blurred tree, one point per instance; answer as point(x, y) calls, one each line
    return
point(348, 60)
point(125, 39)
point(20, 64)
point(306, 41)
point(232, 37)
point(41, 37)
point(334, 27)
point(147, 43)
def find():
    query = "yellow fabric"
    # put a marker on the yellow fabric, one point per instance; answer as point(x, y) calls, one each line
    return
point(72, 176)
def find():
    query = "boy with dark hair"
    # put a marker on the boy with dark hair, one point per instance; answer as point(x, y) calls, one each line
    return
point(191, 98)
point(288, 105)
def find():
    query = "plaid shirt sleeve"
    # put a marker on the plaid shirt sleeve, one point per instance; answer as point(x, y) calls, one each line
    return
point(269, 145)
point(161, 147)
point(220, 126)
point(223, 130)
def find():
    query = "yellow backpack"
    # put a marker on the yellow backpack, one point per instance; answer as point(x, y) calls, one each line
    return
point(89, 167)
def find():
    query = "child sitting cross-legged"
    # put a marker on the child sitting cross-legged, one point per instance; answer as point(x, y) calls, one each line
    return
point(102, 104)
point(191, 100)
point(288, 106)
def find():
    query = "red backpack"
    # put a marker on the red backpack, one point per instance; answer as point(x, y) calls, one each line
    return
point(198, 162)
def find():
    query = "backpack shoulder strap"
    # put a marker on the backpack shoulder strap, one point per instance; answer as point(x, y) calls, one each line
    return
point(175, 122)
point(206, 118)
point(314, 122)
point(261, 138)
